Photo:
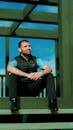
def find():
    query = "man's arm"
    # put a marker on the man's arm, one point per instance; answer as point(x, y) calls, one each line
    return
point(33, 75)
point(37, 75)
point(16, 71)
point(11, 68)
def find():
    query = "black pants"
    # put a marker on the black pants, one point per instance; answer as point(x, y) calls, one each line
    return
point(17, 88)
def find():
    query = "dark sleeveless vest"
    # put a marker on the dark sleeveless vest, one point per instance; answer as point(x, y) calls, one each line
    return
point(26, 66)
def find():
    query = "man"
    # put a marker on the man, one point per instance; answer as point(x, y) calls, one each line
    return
point(26, 80)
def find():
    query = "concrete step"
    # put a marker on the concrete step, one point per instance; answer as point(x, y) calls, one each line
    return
point(37, 103)
point(35, 111)
point(36, 126)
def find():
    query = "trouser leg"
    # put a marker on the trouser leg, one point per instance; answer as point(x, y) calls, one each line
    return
point(50, 86)
point(47, 82)
point(12, 86)
point(13, 92)
point(51, 93)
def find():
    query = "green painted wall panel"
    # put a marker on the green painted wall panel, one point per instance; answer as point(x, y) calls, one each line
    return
point(65, 43)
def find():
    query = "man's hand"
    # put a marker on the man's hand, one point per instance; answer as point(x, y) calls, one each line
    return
point(34, 75)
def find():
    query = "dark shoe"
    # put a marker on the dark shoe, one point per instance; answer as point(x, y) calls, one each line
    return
point(53, 105)
point(14, 105)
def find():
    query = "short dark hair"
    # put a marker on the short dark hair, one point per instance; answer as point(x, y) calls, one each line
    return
point(19, 44)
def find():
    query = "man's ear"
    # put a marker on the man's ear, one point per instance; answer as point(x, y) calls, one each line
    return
point(19, 49)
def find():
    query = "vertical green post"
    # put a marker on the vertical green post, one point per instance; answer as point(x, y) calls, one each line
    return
point(7, 57)
point(66, 47)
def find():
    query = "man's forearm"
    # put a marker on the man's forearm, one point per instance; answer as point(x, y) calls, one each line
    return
point(16, 71)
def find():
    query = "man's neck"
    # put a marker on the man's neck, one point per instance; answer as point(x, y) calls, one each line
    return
point(26, 57)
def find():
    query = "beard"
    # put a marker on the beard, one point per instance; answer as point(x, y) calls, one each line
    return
point(26, 55)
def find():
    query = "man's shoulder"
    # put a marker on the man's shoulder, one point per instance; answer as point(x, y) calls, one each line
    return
point(17, 57)
point(33, 57)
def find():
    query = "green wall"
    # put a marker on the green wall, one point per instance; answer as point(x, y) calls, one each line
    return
point(66, 47)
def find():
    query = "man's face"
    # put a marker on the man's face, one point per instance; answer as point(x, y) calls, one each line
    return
point(25, 48)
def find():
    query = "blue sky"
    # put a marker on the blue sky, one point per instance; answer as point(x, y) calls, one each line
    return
point(2, 55)
point(21, 6)
point(41, 47)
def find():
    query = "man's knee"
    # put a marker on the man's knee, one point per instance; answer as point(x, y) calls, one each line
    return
point(50, 75)
point(12, 79)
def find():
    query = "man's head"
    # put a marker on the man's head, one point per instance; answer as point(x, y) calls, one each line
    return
point(25, 47)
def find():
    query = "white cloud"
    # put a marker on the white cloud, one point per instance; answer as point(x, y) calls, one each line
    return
point(2, 71)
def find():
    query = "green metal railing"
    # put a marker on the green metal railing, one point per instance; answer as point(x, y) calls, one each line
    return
point(2, 85)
